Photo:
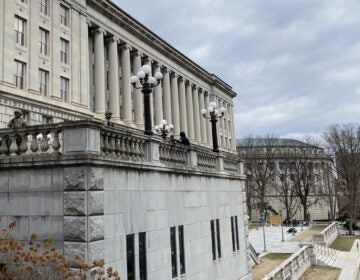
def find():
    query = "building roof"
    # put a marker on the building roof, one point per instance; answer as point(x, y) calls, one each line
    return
point(273, 142)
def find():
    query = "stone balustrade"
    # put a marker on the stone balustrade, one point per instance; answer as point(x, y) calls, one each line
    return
point(293, 267)
point(326, 236)
point(113, 143)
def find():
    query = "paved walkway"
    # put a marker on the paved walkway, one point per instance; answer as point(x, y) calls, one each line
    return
point(273, 240)
point(349, 262)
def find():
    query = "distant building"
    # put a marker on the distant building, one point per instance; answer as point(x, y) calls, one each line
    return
point(280, 163)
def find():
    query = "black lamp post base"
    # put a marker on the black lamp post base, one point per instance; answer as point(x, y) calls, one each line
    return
point(147, 132)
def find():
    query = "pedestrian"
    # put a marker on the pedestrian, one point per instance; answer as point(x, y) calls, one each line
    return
point(183, 139)
point(17, 121)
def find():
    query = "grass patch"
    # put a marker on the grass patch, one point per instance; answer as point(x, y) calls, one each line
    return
point(321, 273)
point(267, 264)
point(344, 243)
point(254, 226)
point(308, 233)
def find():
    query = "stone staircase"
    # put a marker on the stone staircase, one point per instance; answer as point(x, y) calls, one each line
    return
point(324, 256)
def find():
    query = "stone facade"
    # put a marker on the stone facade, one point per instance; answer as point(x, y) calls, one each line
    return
point(72, 60)
point(91, 195)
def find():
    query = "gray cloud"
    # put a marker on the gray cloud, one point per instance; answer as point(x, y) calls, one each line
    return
point(294, 64)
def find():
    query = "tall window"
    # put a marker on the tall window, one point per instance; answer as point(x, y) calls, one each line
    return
point(130, 256)
point(19, 31)
point(64, 15)
point(64, 88)
point(64, 51)
point(44, 41)
point(182, 250)
point(142, 256)
point(173, 252)
point(43, 82)
point(235, 234)
point(44, 7)
point(19, 73)
point(215, 239)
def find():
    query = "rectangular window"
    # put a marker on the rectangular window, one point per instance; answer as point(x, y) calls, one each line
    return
point(182, 250)
point(213, 241)
point(64, 15)
point(173, 252)
point(130, 256)
point(44, 7)
point(19, 31)
point(142, 255)
point(64, 88)
point(44, 41)
point(233, 234)
point(64, 51)
point(47, 120)
point(218, 239)
point(19, 73)
point(43, 82)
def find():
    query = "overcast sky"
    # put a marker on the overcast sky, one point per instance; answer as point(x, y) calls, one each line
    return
point(295, 64)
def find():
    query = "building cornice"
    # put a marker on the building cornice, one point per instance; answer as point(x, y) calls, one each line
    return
point(139, 30)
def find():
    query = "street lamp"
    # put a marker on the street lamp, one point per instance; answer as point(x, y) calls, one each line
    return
point(214, 115)
point(164, 129)
point(263, 217)
point(282, 228)
point(147, 84)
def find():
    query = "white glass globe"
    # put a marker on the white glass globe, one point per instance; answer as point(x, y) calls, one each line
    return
point(163, 122)
point(134, 79)
point(158, 75)
point(157, 127)
point(171, 126)
point(212, 104)
point(152, 81)
point(210, 109)
point(203, 111)
point(222, 110)
point(216, 112)
point(146, 69)
point(141, 74)
point(167, 128)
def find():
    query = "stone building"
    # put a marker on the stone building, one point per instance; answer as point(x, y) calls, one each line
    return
point(151, 208)
point(280, 164)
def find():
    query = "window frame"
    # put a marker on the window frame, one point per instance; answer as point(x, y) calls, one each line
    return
point(142, 256)
point(64, 51)
point(44, 45)
point(64, 18)
point(43, 82)
point(18, 32)
point(44, 7)
point(19, 77)
point(174, 270)
point(64, 92)
point(130, 256)
point(181, 249)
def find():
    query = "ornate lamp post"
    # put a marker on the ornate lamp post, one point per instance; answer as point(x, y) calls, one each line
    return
point(282, 228)
point(147, 84)
point(213, 115)
point(164, 129)
point(263, 217)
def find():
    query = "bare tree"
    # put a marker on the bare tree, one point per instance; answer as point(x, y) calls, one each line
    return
point(259, 157)
point(343, 143)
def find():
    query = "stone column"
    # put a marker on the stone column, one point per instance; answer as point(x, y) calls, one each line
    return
point(126, 86)
point(190, 111)
point(158, 112)
point(138, 98)
point(182, 106)
point(175, 103)
point(196, 106)
point(99, 65)
point(208, 124)
point(202, 120)
point(55, 50)
point(84, 61)
point(114, 90)
point(167, 95)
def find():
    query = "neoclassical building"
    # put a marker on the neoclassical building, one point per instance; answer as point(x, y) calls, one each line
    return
point(72, 60)
point(281, 164)
point(152, 209)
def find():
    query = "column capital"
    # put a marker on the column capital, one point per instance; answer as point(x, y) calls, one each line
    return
point(165, 69)
point(136, 52)
point(113, 38)
point(188, 83)
point(194, 86)
point(100, 30)
point(181, 79)
point(88, 22)
point(200, 90)
point(125, 46)
point(173, 74)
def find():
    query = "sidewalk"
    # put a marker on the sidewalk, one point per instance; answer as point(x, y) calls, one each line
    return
point(349, 262)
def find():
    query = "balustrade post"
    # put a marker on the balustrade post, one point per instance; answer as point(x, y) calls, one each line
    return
point(3, 147)
point(191, 158)
point(13, 148)
point(220, 163)
point(23, 145)
point(152, 153)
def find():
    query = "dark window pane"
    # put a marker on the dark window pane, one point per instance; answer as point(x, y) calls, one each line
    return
point(142, 255)
point(213, 245)
point(182, 250)
point(173, 252)
point(130, 256)
point(237, 234)
point(233, 234)
point(218, 239)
